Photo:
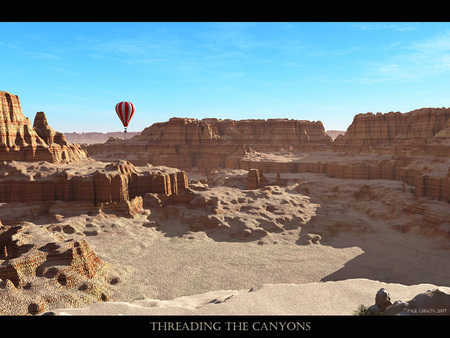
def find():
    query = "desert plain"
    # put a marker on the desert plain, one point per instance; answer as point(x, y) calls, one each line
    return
point(223, 217)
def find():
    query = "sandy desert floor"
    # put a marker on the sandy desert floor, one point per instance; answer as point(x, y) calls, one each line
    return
point(372, 234)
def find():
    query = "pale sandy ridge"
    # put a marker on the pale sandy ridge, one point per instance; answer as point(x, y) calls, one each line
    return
point(328, 298)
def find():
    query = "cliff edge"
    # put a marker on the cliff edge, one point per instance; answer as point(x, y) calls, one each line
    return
point(21, 141)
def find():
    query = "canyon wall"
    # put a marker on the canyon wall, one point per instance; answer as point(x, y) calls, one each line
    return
point(413, 147)
point(419, 142)
point(423, 131)
point(207, 144)
point(90, 181)
point(262, 133)
point(434, 184)
point(20, 141)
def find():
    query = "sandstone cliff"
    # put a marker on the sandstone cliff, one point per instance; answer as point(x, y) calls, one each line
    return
point(20, 141)
point(87, 181)
point(419, 132)
point(413, 147)
point(209, 143)
point(418, 142)
point(261, 133)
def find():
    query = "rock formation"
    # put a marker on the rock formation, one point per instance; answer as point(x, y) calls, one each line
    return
point(422, 131)
point(382, 301)
point(41, 270)
point(39, 170)
point(255, 179)
point(225, 213)
point(432, 302)
point(335, 133)
point(210, 143)
point(418, 142)
point(85, 181)
point(430, 177)
point(413, 148)
point(20, 141)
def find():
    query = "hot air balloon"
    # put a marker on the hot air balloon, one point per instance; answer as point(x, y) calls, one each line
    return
point(125, 111)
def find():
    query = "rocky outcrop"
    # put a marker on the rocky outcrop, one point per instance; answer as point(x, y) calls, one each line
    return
point(255, 179)
point(210, 143)
point(432, 302)
point(40, 270)
point(424, 130)
point(413, 148)
point(428, 178)
point(260, 133)
point(225, 213)
point(20, 141)
point(418, 142)
point(88, 181)
point(435, 187)
point(382, 301)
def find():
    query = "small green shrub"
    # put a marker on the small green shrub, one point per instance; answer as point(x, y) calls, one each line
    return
point(365, 311)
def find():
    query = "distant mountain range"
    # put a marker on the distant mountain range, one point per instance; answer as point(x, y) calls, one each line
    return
point(334, 133)
point(94, 137)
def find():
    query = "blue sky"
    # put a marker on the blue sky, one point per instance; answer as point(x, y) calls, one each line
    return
point(329, 71)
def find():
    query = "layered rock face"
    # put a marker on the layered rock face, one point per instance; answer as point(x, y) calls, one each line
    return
point(87, 181)
point(20, 141)
point(210, 143)
point(428, 177)
point(418, 140)
point(426, 130)
point(413, 147)
point(255, 179)
point(257, 133)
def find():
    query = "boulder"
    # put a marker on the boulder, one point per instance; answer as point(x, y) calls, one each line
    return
point(432, 302)
point(382, 301)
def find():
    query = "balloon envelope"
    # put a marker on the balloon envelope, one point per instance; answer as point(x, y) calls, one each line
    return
point(125, 111)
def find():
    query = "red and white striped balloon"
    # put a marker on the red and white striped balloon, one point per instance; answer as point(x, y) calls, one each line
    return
point(125, 111)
